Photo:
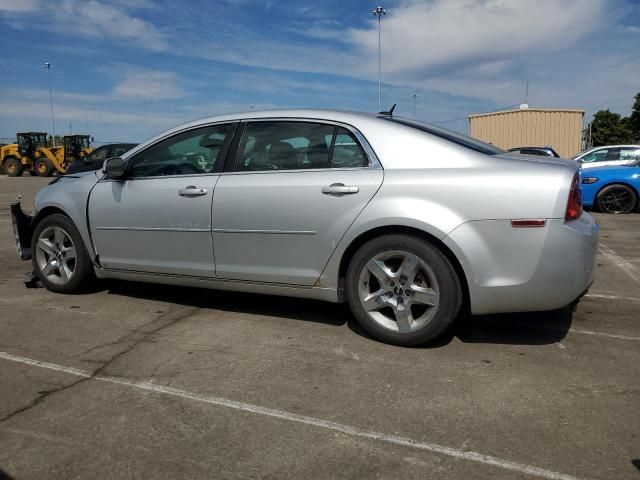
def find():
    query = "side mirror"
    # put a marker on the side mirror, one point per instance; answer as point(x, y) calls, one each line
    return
point(114, 168)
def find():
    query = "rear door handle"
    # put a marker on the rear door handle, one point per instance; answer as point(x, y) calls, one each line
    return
point(340, 189)
point(192, 191)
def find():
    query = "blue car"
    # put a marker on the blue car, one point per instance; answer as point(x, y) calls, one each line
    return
point(611, 189)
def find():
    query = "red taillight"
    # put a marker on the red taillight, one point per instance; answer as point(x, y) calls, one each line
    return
point(574, 205)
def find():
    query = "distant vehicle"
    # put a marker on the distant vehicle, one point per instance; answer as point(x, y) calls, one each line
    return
point(540, 151)
point(95, 159)
point(31, 153)
point(405, 221)
point(608, 155)
point(612, 189)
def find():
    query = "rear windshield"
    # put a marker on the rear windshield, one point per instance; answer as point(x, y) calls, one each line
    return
point(450, 135)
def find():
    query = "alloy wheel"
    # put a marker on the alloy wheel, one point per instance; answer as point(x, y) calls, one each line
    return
point(398, 291)
point(56, 255)
point(617, 200)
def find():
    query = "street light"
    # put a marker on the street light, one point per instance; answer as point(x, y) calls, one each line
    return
point(415, 104)
point(379, 12)
point(48, 66)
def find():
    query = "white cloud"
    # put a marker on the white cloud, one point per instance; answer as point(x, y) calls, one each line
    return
point(98, 19)
point(19, 6)
point(440, 35)
point(631, 29)
point(105, 119)
point(90, 18)
point(149, 84)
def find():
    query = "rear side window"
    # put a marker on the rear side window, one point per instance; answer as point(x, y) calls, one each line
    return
point(630, 154)
point(455, 137)
point(285, 145)
point(530, 151)
point(347, 152)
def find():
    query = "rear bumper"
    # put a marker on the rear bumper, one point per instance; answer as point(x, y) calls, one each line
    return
point(22, 230)
point(520, 270)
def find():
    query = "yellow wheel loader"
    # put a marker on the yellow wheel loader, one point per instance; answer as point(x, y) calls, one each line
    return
point(76, 147)
point(32, 154)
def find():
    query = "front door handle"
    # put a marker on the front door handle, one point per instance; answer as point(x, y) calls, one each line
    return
point(340, 189)
point(192, 191)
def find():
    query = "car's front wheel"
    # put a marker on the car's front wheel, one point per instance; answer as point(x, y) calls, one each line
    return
point(617, 198)
point(59, 257)
point(403, 290)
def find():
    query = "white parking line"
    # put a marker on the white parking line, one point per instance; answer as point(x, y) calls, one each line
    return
point(303, 419)
point(601, 334)
point(579, 331)
point(613, 297)
point(623, 264)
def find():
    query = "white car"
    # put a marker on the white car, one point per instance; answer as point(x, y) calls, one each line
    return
point(609, 155)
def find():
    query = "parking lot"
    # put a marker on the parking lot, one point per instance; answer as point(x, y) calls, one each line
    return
point(151, 381)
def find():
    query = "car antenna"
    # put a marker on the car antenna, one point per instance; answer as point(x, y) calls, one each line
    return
point(390, 112)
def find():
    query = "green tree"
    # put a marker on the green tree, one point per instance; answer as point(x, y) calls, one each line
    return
point(609, 128)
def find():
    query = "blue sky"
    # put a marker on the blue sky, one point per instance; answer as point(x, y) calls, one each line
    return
point(127, 69)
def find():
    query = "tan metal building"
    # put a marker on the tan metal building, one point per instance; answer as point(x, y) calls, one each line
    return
point(531, 127)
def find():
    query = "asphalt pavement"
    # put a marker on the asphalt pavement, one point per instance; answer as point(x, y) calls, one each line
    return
point(148, 381)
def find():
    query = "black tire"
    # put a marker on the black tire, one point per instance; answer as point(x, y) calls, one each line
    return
point(83, 269)
point(43, 167)
point(450, 291)
point(617, 198)
point(13, 167)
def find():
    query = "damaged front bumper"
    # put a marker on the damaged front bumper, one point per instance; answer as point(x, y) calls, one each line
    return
point(22, 230)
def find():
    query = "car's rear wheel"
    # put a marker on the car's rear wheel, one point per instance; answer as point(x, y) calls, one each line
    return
point(59, 257)
point(403, 290)
point(617, 198)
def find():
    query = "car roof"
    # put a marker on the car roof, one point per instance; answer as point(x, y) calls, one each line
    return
point(611, 146)
point(531, 148)
point(340, 116)
point(345, 116)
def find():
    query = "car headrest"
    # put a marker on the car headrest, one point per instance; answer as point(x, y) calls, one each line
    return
point(283, 156)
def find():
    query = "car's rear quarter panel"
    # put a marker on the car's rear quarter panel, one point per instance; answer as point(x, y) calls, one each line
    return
point(467, 200)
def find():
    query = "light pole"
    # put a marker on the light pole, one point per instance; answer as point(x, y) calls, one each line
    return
point(415, 105)
point(379, 12)
point(48, 66)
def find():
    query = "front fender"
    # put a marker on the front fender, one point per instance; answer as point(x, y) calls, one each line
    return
point(69, 196)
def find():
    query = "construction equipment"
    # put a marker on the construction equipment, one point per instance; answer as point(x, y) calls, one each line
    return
point(32, 153)
point(16, 157)
point(76, 147)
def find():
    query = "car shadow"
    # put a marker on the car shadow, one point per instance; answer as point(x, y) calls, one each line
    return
point(237, 302)
point(537, 328)
point(5, 476)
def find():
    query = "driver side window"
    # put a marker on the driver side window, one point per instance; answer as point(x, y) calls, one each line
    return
point(187, 153)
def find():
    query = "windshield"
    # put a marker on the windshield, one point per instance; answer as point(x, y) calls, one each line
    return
point(40, 139)
point(455, 137)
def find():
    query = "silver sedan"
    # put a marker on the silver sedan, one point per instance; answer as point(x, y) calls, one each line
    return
point(409, 223)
